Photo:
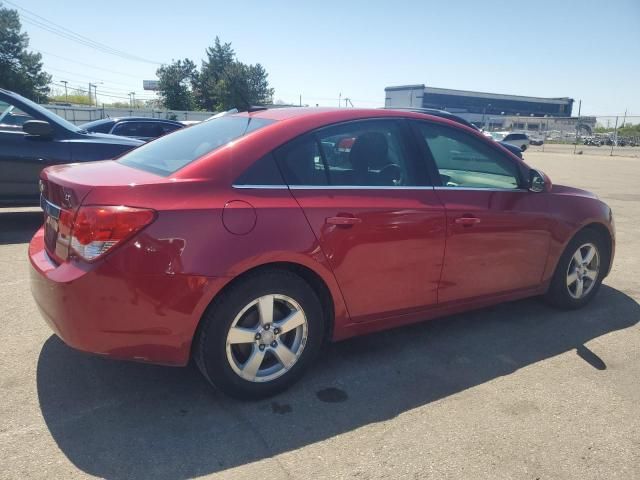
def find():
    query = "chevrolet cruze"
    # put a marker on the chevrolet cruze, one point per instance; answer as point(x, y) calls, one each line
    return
point(247, 241)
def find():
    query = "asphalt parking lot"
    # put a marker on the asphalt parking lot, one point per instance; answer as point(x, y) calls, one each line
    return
point(516, 391)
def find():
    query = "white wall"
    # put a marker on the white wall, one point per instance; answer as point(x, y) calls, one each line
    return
point(79, 115)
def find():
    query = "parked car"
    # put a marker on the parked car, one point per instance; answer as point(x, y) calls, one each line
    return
point(32, 138)
point(455, 118)
point(536, 141)
point(246, 241)
point(142, 128)
point(520, 140)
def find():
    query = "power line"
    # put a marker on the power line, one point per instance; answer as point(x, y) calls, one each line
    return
point(80, 89)
point(52, 27)
point(86, 64)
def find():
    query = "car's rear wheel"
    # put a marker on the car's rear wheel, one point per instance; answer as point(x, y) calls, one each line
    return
point(523, 147)
point(580, 271)
point(260, 335)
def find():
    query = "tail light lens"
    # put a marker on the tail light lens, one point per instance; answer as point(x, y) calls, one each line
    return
point(97, 229)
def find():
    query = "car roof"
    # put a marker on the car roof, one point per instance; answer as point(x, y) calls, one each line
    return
point(147, 119)
point(341, 114)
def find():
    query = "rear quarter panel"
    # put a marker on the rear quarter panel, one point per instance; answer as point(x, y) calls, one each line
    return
point(190, 254)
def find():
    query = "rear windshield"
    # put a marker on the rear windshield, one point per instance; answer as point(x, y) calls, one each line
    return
point(169, 154)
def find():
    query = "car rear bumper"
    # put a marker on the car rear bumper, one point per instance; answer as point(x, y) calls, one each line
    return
point(103, 310)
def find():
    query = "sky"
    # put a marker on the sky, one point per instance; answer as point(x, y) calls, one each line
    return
point(587, 50)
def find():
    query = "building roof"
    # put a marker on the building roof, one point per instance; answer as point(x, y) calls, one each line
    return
point(469, 93)
point(497, 96)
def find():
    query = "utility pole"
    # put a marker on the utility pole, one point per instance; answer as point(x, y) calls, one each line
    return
point(134, 99)
point(339, 99)
point(90, 101)
point(615, 137)
point(95, 91)
point(575, 144)
point(66, 97)
point(131, 99)
point(300, 99)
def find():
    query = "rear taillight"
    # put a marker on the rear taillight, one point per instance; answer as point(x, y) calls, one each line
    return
point(97, 229)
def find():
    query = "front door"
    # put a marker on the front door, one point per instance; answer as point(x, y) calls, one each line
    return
point(23, 156)
point(498, 232)
point(378, 221)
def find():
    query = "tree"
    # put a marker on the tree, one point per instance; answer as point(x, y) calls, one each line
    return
point(212, 82)
point(20, 70)
point(224, 82)
point(175, 84)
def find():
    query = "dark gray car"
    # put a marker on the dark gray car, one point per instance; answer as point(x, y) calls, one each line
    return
point(142, 128)
point(32, 138)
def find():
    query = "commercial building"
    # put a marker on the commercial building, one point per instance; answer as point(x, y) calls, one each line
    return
point(492, 111)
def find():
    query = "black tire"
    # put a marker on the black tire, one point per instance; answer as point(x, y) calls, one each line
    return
point(210, 352)
point(558, 293)
point(523, 148)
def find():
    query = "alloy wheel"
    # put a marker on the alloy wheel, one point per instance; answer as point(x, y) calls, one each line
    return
point(583, 271)
point(266, 338)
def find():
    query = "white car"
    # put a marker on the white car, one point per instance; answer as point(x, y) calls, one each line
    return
point(520, 140)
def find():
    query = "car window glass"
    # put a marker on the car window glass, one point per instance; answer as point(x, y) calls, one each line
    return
point(11, 117)
point(169, 154)
point(169, 127)
point(465, 161)
point(362, 153)
point(262, 172)
point(104, 127)
point(301, 163)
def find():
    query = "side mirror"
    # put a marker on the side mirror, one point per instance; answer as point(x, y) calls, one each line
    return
point(538, 181)
point(38, 128)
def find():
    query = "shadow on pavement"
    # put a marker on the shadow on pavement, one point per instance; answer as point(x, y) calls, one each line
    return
point(19, 227)
point(122, 420)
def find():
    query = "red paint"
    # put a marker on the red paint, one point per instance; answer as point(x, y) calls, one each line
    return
point(387, 257)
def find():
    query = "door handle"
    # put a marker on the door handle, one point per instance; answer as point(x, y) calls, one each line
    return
point(344, 221)
point(467, 221)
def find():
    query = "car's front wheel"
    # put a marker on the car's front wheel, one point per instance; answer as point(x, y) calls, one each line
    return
point(260, 335)
point(580, 271)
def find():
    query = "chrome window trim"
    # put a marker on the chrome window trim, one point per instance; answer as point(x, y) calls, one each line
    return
point(373, 187)
point(358, 187)
point(483, 189)
point(265, 187)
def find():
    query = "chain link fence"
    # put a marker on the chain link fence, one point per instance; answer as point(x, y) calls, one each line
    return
point(585, 135)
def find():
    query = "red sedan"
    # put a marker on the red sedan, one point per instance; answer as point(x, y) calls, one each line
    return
point(247, 241)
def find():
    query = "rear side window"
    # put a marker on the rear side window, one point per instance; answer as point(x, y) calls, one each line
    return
point(368, 153)
point(141, 129)
point(99, 126)
point(263, 172)
point(167, 155)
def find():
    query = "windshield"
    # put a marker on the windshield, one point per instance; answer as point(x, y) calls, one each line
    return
point(166, 155)
point(43, 112)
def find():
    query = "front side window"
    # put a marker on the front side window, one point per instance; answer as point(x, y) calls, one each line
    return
point(11, 117)
point(367, 153)
point(465, 161)
point(166, 155)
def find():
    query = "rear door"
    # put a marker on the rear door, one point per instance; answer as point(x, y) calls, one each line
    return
point(498, 232)
point(378, 220)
